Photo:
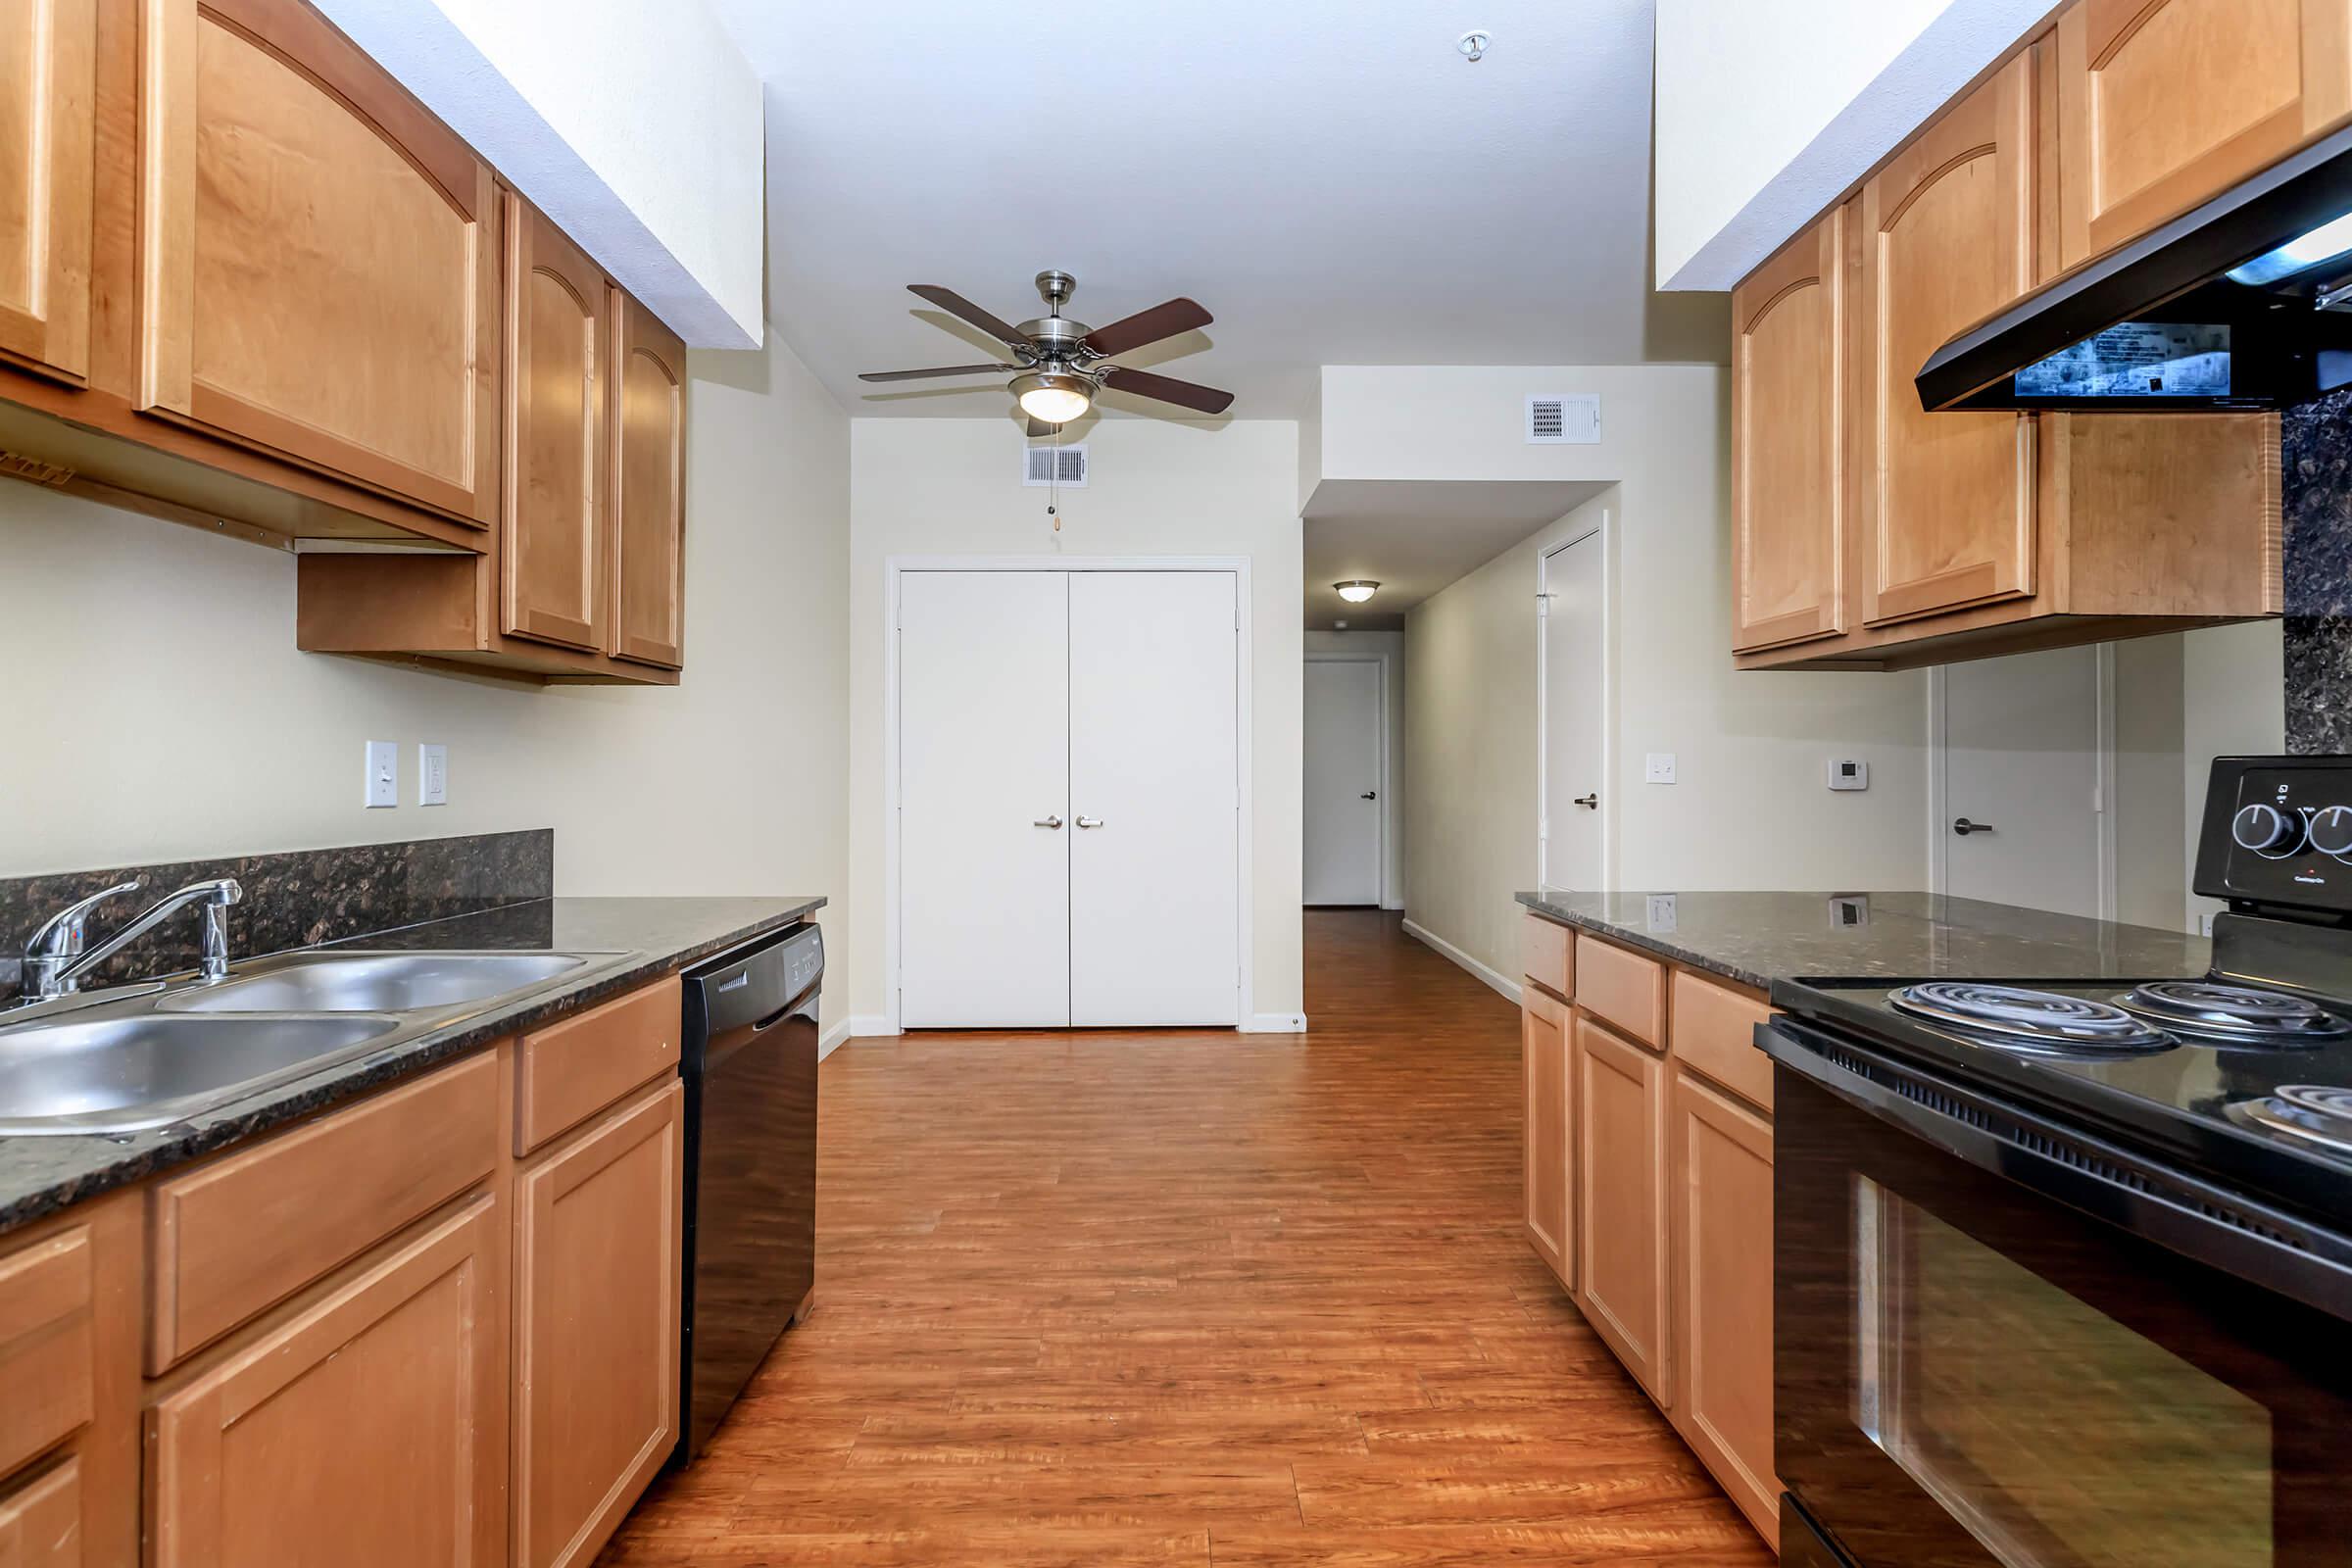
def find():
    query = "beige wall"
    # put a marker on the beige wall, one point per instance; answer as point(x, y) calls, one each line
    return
point(166, 713)
point(1751, 807)
point(2150, 870)
point(2233, 704)
point(1158, 487)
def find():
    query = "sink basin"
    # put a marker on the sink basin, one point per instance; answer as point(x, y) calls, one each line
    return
point(376, 982)
point(120, 1074)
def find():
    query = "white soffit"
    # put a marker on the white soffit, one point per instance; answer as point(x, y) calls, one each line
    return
point(639, 129)
point(1953, 49)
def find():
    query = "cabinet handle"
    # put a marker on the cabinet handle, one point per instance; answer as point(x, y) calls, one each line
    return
point(1047, 822)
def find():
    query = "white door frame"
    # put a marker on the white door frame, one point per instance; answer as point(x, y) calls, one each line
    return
point(1606, 533)
point(1380, 846)
point(894, 567)
point(1939, 828)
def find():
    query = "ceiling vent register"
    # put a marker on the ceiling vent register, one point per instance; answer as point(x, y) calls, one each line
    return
point(1556, 418)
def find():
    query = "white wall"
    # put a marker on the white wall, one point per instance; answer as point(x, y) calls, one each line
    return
point(1768, 110)
point(1751, 808)
point(1158, 487)
point(639, 129)
point(1389, 648)
point(173, 717)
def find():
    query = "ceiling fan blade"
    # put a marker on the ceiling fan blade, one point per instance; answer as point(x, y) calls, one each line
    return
point(1038, 427)
point(945, 369)
point(1166, 389)
point(1148, 326)
point(956, 305)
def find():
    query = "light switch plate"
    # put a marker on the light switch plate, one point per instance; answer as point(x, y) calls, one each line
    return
point(383, 775)
point(1659, 768)
point(1848, 773)
point(1847, 910)
point(432, 775)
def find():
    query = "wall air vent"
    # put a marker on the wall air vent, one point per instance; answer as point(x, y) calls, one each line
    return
point(1557, 418)
point(1062, 465)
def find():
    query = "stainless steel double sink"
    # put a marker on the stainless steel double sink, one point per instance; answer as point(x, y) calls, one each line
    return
point(150, 1056)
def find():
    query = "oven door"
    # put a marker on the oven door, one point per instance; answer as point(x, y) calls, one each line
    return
point(2001, 1341)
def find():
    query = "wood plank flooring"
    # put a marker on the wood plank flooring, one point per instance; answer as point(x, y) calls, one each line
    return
point(1099, 1300)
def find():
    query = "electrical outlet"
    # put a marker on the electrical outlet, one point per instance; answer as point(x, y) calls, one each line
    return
point(1661, 912)
point(432, 775)
point(2204, 922)
point(1848, 909)
point(1659, 768)
point(382, 783)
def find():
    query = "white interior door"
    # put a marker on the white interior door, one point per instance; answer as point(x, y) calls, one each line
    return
point(1574, 748)
point(1154, 799)
point(1341, 827)
point(984, 725)
point(2021, 770)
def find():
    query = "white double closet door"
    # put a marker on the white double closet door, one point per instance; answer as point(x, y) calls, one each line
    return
point(1069, 792)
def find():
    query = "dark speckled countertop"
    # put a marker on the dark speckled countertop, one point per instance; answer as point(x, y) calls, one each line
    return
point(1757, 938)
point(646, 938)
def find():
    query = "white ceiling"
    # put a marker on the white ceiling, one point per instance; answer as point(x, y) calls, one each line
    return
point(1413, 537)
point(1329, 178)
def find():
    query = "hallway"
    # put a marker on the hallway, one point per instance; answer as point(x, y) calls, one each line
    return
point(1095, 1300)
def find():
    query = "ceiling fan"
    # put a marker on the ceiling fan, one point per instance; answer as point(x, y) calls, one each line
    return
point(1058, 364)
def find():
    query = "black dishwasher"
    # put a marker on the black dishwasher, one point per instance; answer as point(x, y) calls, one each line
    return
point(749, 1066)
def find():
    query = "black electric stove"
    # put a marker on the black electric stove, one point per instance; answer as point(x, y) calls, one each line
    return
point(2063, 1265)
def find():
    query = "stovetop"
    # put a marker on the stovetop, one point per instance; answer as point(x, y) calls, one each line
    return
point(2109, 1066)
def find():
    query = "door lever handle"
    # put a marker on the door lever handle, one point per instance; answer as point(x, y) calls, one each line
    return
point(1089, 821)
point(1590, 802)
point(1047, 822)
point(1369, 795)
point(1964, 827)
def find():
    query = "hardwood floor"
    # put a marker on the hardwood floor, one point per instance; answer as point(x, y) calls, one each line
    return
point(1099, 1300)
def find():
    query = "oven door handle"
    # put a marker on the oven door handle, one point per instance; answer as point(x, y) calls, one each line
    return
point(2151, 1200)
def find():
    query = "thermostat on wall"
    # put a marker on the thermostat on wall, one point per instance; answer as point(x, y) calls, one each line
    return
point(1847, 774)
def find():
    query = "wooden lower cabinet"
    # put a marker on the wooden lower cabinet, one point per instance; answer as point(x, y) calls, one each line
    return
point(1621, 1274)
point(40, 1521)
point(1545, 1066)
point(368, 1431)
point(1722, 1241)
point(596, 1370)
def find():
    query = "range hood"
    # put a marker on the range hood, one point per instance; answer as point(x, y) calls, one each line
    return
point(2244, 303)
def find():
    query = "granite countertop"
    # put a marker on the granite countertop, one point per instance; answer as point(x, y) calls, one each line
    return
point(647, 938)
point(1757, 938)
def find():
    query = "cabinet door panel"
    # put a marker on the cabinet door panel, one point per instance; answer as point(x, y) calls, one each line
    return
point(596, 1342)
point(649, 488)
point(1948, 241)
point(2163, 104)
point(1723, 1295)
point(1544, 1067)
point(317, 255)
point(48, 102)
point(368, 1431)
point(1621, 1271)
point(554, 538)
point(1787, 422)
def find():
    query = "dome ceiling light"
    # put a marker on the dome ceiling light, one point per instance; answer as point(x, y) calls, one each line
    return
point(1358, 590)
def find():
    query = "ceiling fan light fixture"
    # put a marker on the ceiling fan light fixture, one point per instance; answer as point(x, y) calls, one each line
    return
point(1355, 592)
point(1055, 396)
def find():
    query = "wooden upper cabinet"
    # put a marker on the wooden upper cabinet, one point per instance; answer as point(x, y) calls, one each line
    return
point(318, 264)
point(1788, 420)
point(2163, 104)
point(1947, 240)
point(368, 1430)
point(649, 488)
point(554, 537)
point(48, 108)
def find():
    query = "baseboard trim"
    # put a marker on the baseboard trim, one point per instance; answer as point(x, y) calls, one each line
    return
point(868, 1025)
point(830, 1041)
point(1273, 1023)
point(1447, 950)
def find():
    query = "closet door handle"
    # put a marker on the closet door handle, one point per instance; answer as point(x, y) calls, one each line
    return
point(1089, 821)
point(1047, 822)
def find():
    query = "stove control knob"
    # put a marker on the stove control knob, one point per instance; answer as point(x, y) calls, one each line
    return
point(2267, 830)
point(2331, 831)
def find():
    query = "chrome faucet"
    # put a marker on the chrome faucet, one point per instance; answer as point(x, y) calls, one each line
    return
point(54, 958)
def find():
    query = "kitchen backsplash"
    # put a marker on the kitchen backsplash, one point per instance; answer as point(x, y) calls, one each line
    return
point(2316, 461)
point(296, 898)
